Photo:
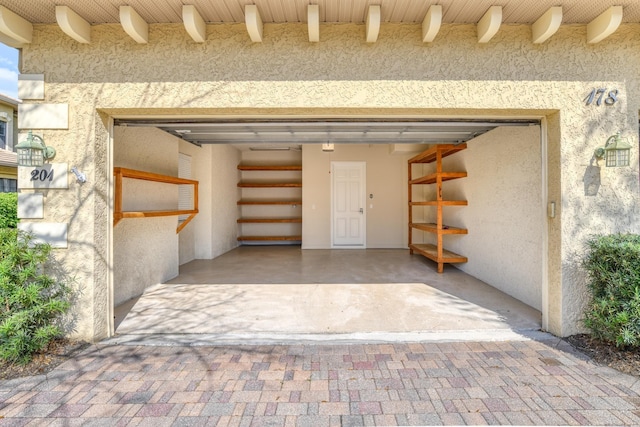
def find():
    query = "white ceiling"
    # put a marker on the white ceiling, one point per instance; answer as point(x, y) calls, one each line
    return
point(332, 11)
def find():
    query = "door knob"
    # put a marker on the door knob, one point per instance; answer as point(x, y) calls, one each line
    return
point(361, 210)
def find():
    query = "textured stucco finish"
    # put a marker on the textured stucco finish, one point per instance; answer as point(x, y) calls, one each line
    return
point(505, 212)
point(339, 77)
point(145, 250)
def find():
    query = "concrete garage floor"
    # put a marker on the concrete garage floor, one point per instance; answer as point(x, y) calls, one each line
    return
point(282, 294)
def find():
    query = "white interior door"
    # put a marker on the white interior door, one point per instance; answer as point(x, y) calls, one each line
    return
point(348, 204)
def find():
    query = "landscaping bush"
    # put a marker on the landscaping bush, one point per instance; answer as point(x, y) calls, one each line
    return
point(32, 303)
point(8, 210)
point(613, 267)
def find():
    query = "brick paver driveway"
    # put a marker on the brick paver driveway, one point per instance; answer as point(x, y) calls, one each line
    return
point(516, 382)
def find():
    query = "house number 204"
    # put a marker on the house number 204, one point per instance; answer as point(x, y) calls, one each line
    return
point(609, 97)
point(42, 175)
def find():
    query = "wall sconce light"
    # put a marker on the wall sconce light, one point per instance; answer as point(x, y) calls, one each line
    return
point(616, 151)
point(33, 151)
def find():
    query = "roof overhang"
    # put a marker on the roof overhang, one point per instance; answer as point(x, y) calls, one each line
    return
point(75, 17)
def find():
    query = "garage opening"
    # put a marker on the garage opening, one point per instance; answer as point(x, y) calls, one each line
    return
point(268, 183)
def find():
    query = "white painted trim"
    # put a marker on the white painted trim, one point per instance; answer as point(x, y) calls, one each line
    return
point(364, 203)
point(604, 25)
point(111, 193)
point(194, 24)
point(489, 24)
point(373, 23)
point(432, 23)
point(254, 22)
point(313, 22)
point(15, 27)
point(73, 24)
point(134, 25)
point(546, 25)
point(544, 176)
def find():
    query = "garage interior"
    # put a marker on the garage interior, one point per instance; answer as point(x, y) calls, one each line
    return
point(263, 259)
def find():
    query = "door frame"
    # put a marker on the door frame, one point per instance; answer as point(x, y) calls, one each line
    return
point(363, 196)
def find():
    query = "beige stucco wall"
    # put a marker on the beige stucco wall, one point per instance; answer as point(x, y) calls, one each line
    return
point(505, 214)
point(342, 76)
point(145, 250)
point(386, 179)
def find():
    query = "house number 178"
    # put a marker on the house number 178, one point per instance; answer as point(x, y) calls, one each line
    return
point(598, 95)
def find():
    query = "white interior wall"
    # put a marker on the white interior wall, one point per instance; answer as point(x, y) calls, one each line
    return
point(145, 250)
point(223, 198)
point(504, 216)
point(386, 181)
point(194, 238)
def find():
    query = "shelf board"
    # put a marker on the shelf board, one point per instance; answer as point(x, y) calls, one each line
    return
point(268, 220)
point(433, 228)
point(268, 238)
point(431, 251)
point(430, 155)
point(440, 203)
point(121, 173)
point(145, 214)
point(433, 178)
point(270, 184)
point(270, 167)
point(269, 202)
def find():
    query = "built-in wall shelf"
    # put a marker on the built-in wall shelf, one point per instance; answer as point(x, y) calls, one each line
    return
point(433, 228)
point(269, 220)
point(270, 167)
point(280, 219)
point(440, 203)
point(431, 251)
point(296, 202)
point(269, 238)
point(433, 178)
point(119, 214)
point(435, 252)
point(270, 184)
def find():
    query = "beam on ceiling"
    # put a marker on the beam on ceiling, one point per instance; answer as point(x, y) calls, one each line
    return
point(134, 25)
point(546, 25)
point(313, 22)
point(73, 25)
point(489, 24)
point(432, 23)
point(604, 25)
point(253, 22)
point(15, 28)
point(193, 23)
point(373, 23)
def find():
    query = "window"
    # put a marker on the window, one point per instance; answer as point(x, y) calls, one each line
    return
point(8, 185)
point(3, 134)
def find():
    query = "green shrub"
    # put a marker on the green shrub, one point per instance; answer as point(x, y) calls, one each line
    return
point(8, 210)
point(32, 303)
point(613, 267)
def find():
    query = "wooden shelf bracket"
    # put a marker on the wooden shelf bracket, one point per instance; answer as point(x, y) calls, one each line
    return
point(119, 214)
